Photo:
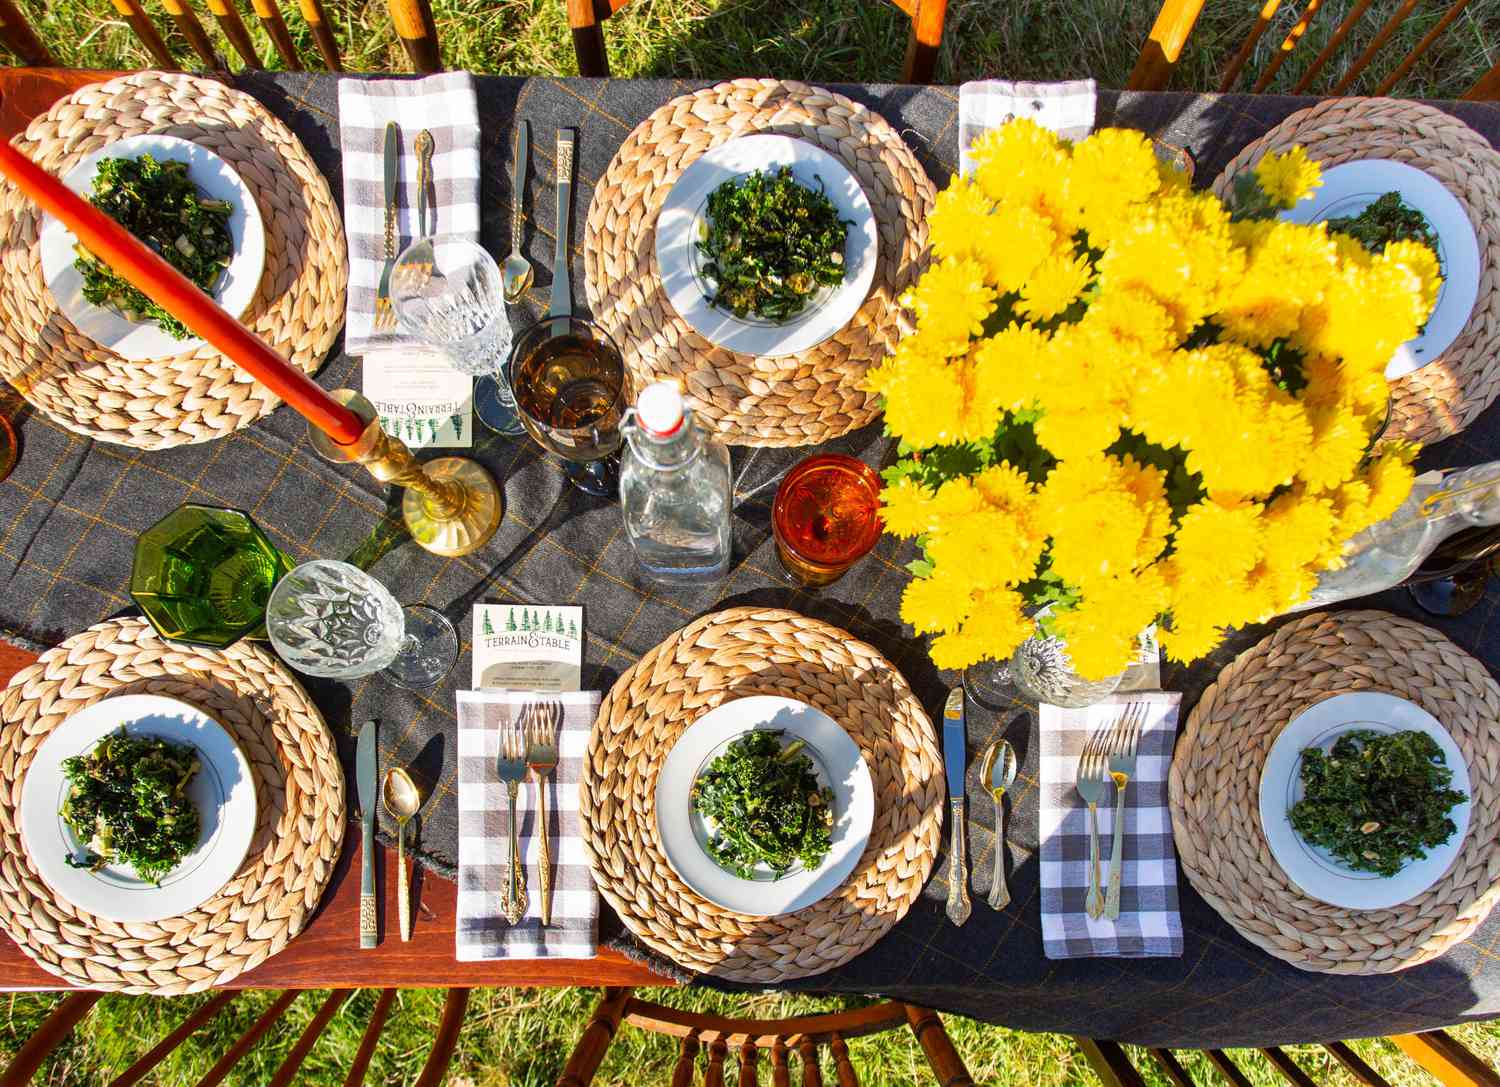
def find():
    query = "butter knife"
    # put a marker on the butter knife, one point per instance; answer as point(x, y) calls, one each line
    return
point(561, 304)
point(956, 761)
point(364, 784)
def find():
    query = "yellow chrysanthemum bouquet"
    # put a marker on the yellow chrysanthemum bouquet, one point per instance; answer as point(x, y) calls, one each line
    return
point(1134, 403)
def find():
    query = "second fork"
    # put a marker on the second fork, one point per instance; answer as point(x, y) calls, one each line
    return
point(510, 769)
point(541, 760)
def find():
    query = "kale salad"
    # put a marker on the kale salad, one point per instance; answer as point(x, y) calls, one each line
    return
point(765, 806)
point(158, 203)
point(1388, 219)
point(1376, 801)
point(770, 244)
point(128, 802)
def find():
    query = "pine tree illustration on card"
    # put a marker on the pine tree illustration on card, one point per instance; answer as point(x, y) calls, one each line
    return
point(525, 648)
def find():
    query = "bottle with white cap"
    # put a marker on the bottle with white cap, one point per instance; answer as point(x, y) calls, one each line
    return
point(674, 490)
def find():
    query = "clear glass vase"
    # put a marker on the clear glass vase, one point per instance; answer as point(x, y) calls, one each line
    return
point(1040, 670)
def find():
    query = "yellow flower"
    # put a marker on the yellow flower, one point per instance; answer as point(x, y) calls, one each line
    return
point(957, 650)
point(951, 302)
point(987, 549)
point(1113, 171)
point(1422, 263)
point(1339, 440)
point(960, 214)
point(1009, 367)
point(998, 622)
point(1218, 540)
point(1100, 515)
point(1006, 487)
point(924, 394)
point(1020, 161)
point(1018, 240)
point(1288, 176)
point(906, 508)
point(1185, 644)
point(935, 604)
point(1290, 267)
point(1054, 285)
point(1390, 477)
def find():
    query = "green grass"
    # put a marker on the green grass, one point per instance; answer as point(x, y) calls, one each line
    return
point(519, 1037)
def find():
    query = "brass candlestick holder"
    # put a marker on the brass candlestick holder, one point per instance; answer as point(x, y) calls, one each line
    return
point(452, 506)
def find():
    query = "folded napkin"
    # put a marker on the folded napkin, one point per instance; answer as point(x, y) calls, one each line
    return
point(444, 105)
point(1149, 923)
point(1066, 108)
point(484, 841)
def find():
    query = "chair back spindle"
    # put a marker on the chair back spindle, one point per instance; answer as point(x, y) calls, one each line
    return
point(418, 33)
point(145, 30)
point(269, 15)
point(227, 15)
point(17, 36)
point(713, 1076)
point(189, 27)
point(812, 1075)
point(317, 21)
point(781, 1075)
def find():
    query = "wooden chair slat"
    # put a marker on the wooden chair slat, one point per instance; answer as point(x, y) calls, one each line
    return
point(925, 41)
point(1289, 1069)
point(146, 31)
point(158, 1053)
point(749, 1065)
point(843, 1067)
point(594, 1041)
point(47, 1037)
point(1174, 24)
point(317, 21)
point(1172, 1067)
point(186, 18)
point(1363, 60)
point(1288, 43)
point(854, 1023)
point(418, 33)
point(713, 1076)
point(445, 1042)
point(941, 1053)
point(1355, 1065)
point(17, 36)
point(309, 1038)
point(1110, 1062)
point(1356, 13)
point(781, 1074)
point(687, 1062)
point(371, 1038)
point(812, 1075)
point(588, 39)
point(1486, 87)
point(269, 14)
point(227, 15)
point(236, 1052)
point(1421, 47)
point(1263, 20)
point(1447, 1059)
point(1227, 1068)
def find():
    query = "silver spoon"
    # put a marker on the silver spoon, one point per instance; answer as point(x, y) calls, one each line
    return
point(402, 799)
point(998, 773)
point(517, 273)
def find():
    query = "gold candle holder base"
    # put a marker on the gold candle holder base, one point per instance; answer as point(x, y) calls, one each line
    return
point(452, 506)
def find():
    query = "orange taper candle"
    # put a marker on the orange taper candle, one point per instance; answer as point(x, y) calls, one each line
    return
point(180, 297)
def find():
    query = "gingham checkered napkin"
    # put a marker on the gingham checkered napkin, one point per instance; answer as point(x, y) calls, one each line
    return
point(1149, 923)
point(446, 107)
point(484, 842)
point(1066, 108)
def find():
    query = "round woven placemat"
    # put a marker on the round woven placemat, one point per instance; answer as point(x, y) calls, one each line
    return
point(1214, 788)
point(199, 395)
point(1446, 395)
point(801, 399)
point(299, 787)
point(721, 657)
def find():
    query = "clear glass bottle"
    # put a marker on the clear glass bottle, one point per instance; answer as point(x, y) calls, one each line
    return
point(674, 490)
point(1388, 552)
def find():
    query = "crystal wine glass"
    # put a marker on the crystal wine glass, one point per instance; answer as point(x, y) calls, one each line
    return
point(569, 379)
point(331, 619)
point(448, 293)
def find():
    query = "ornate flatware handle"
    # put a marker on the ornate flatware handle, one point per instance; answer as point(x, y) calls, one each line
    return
point(958, 867)
point(1117, 855)
point(1093, 902)
point(546, 844)
point(999, 892)
point(514, 899)
point(403, 903)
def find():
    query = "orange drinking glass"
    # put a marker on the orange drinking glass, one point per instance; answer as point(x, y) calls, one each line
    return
point(826, 517)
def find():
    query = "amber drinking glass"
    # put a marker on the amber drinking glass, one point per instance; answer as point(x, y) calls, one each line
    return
point(826, 517)
point(569, 380)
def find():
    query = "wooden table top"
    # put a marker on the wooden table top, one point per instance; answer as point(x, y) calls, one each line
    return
point(327, 956)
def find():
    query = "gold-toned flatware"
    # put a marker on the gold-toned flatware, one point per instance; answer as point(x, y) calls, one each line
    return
point(510, 768)
point(517, 273)
point(1093, 780)
point(541, 760)
point(402, 800)
point(423, 146)
point(997, 773)
point(1122, 752)
point(385, 314)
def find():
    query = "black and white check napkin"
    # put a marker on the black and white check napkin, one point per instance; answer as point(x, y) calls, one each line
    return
point(484, 841)
point(1066, 108)
point(444, 105)
point(1149, 923)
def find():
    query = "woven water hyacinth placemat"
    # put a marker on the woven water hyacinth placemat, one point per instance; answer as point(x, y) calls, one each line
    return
point(300, 822)
point(1214, 789)
point(1446, 395)
point(801, 399)
point(718, 658)
point(199, 395)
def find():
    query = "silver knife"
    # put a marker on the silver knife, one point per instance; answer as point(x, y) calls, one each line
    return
point(956, 760)
point(561, 304)
point(364, 784)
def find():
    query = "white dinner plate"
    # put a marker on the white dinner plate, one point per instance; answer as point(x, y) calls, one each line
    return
point(138, 340)
point(1349, 188)
point(223, 790)
point(1316, 871)
point(683, 222)
point(836, 761)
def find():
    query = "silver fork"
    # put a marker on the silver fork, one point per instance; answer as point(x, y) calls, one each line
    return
point(1093, 780)
point(510, 768)
point(1124, 742)
point(541, 760)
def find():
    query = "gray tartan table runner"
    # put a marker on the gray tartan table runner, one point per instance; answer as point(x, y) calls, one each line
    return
point(70, 512)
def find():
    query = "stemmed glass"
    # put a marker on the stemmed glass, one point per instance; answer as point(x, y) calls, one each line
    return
point(569, 379)
point(331, 619)
point(448, 294)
